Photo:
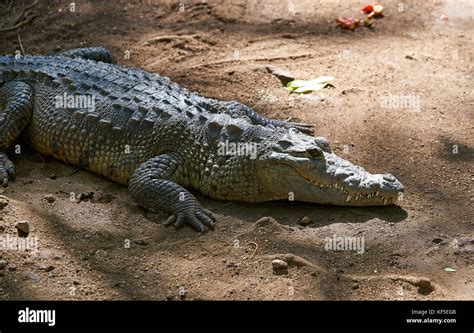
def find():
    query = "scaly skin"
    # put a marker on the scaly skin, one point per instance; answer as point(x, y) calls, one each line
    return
point(159, 138)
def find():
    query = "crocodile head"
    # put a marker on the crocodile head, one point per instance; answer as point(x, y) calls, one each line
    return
point(306, 166)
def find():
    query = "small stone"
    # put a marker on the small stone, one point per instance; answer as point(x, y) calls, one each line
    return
point(3, 202)
point(49, 198)
point(52, 176)
point(306, 220)
point(279, 267)
point(265, 222)
point(23, 227)
point(45, 268)
point(355, 286)
point(33, 277)
point(76, 283)
point(3, 264)
point(2, 228)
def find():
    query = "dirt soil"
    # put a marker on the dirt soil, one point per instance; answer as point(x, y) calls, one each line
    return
point(106, 247)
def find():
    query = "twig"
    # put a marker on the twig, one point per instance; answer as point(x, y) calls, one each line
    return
point(254, 251)
point(169, 38)
point(21, 45)
point(227, 61)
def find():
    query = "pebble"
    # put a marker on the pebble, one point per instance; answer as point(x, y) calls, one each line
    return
point(3, 202)
point(279, 267)
point(3, 264)
point(48, 268)
point(306, 220)
point(33, 277)
point(23, 227)
point(49, 198)
point(265, 221)
point(52, 176)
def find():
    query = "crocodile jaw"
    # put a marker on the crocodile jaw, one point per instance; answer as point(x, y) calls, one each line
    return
point(328, 180)
point(384, 189)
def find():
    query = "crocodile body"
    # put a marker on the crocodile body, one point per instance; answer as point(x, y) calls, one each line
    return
point(145, 131)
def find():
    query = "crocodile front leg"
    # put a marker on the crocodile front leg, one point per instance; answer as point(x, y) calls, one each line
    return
point(151, 186)
point(15, 113)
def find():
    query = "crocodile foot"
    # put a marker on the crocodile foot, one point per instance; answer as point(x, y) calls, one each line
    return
point(196, 216)
point(7, 170)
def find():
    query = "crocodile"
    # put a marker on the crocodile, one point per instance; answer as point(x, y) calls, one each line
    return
point(145, 131)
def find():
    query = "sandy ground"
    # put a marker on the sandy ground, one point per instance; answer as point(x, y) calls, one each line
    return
point(108, 248)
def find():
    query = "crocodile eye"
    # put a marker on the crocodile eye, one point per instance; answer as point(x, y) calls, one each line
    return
point(323, 143)
point(314, 152)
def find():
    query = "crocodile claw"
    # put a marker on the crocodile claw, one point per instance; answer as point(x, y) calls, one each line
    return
point(196, 217)
point(7, 170)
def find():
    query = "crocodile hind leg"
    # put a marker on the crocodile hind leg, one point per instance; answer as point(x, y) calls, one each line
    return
point(151, 186)
point(239, 109)
point(15, 113)
point(91, 53)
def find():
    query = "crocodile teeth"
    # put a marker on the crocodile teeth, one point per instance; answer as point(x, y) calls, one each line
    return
point(385, 201)
point(377, 193)
point(348, 198)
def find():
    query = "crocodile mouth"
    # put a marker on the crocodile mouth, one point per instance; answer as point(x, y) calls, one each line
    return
point(383, 190)
point(363, 197)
